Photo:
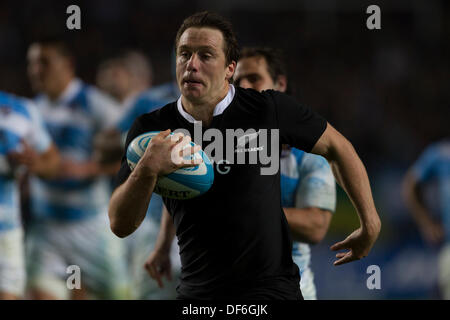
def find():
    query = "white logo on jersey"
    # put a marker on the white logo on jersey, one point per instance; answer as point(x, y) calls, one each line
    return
point(246, 138)
point(246, 141)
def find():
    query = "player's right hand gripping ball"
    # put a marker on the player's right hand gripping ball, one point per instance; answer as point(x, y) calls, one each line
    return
point(182, 184)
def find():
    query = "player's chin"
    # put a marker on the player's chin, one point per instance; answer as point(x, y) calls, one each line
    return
point(194, 93)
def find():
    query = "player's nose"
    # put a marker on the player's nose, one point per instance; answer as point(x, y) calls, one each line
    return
point(193, 62)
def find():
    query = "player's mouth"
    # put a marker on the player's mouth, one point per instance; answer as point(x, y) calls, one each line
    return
point(192, 82)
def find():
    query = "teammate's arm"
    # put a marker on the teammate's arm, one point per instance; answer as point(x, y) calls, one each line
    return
point(38, 153)
point(315, 200)
point(308, 225)
point(107, 152)
point(129, 202)
point(431, 231)
point(158, 263)
point(107, 147)
point(351, 175)
point(44, 165)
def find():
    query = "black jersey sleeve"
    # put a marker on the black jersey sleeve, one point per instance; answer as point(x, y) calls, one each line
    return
point(124, 171)
point(299, 125)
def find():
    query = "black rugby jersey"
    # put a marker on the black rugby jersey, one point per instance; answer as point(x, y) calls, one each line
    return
point(234, 240)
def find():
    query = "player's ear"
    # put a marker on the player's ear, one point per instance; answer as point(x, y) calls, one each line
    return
point(281, 83)
point(230, 70)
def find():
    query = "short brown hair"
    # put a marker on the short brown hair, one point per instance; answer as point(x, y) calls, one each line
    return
point(274, 59)
point(215, 21)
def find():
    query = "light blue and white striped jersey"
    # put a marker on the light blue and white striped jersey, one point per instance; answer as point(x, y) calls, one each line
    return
point(19, 120)
point(152, 99)
point(165, 92)
point(142, 104)
point(306, 181)
point(73, 120)
point(433, 167)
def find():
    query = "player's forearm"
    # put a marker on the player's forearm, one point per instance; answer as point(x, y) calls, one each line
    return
point(77, 169)
point(166, 233)
point(129, 202)
point(351, 175)
point(48, 164)
point(308, 224)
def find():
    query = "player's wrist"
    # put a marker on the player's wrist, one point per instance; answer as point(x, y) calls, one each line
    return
point(372, 226)
point(163, 248)
point(145, 171)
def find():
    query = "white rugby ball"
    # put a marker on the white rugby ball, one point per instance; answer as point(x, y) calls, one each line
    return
point(182, 184)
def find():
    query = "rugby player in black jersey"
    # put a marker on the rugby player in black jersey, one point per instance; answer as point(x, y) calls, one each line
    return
point(234, 239)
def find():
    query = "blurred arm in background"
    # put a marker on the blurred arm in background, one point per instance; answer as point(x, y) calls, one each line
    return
point(431, 165)
point(158, 263)
point(432, 231)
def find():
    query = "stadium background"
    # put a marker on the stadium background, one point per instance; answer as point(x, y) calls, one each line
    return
point(386, 90)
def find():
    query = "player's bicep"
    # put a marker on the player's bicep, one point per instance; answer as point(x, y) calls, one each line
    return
point(329, 143)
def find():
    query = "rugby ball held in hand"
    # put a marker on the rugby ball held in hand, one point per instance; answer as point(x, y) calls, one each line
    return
point(183, 183)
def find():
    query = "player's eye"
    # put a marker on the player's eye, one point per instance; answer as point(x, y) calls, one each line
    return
point(206, 56)
point(252, 78)
point(185, 54)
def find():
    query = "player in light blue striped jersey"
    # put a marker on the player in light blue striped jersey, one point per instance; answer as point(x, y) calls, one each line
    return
point(69, 213)
point(427, 194)
point(23, 142)
point(308, 190)
point(308, 197)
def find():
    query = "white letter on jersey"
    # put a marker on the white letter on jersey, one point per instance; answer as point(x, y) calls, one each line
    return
point(74, 20)
point(74, 280)
point(374, 281)
point(274, 158)
point(374, 21)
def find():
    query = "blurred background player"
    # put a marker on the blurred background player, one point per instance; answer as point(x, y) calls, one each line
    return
point(23, 141)
point(308, 190)
point(152, 98)
point(125, 77)
point(128, 77)
point(168, 91)
point(69, 223)
point(431, 210)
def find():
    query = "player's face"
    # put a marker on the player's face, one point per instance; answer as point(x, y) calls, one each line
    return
point(114, 80)
point(253, 73)
point(202, 73)
point(45, 68)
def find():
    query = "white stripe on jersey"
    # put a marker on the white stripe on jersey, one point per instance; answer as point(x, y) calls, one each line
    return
point(4, 166)
point(23, 122)
point(104, 107)
point(57, 114)
point(317, 187)
point(289, 166)
point(15, 123)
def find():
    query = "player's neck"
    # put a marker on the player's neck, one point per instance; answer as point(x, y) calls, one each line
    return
point(203, 110)
point(56, 94)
